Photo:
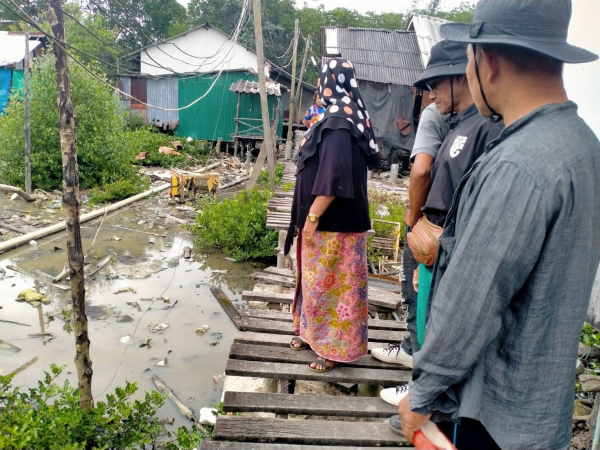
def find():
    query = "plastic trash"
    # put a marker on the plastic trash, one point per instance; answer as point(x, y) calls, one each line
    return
point(33, 243)
point(207, 416)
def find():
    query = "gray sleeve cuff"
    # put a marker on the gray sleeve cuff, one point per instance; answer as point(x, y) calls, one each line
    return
point(423, 150)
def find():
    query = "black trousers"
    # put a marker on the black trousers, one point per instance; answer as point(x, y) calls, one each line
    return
point(470, 435)
point(410, 343)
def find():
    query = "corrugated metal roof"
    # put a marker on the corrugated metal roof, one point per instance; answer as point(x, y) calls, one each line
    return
point(252, 87)
point(164, 93)
point(427, 30)
point(12, 48)
point(382, 56)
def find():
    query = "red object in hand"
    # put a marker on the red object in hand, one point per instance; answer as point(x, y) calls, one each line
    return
point(429, 437)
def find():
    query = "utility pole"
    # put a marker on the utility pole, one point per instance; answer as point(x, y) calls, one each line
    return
point(290, 133)
point(27, 115)
point(72, 203)
point(268, 144)
point(304, 62)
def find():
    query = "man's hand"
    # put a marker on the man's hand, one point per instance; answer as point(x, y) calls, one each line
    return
point(415, 280)
point(407, 221)
point(410, 421)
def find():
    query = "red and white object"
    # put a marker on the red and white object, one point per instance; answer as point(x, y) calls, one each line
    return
point(429, 437)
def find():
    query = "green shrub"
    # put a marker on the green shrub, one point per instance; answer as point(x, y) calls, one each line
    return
point(48, 417)
point(134, 120)
point(102, 156)
point(119, 190)
point(148, 139)
point(396, 209)
point(263, 178)
point(236, 226)
point(590, 336)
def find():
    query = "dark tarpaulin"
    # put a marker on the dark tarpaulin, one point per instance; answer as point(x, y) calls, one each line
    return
point(390, 109)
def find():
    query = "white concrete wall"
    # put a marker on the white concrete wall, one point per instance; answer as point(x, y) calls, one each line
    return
point(201, 43)
point(581, 81)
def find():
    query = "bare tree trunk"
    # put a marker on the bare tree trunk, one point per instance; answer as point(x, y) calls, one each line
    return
point(71, 202)
point(268, 144)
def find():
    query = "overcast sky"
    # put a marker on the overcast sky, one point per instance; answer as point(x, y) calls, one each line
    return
point(398, 6)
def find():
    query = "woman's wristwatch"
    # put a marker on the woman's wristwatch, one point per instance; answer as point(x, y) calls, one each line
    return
point(313, 218)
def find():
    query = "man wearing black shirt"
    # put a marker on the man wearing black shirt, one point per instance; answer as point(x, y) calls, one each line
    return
point(468, 135)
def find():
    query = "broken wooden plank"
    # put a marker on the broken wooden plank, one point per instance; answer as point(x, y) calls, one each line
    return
point(271, 297)
point(281, 340)
point(313, 405)
point(316, 432)
point(249, 352)
point(272, 326)
point(374, 324)
point(280, 271)
point(225, 445)
point(274, 279)
point(226, 304)
point(345, 374)
point(61, 286)
point(23, 367)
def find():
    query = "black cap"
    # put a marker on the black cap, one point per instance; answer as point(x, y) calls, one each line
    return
point(447, 59)
point(532, 24)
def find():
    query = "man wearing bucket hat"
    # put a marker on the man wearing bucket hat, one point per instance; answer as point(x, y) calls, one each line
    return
point(520, 248)
point(469, 133)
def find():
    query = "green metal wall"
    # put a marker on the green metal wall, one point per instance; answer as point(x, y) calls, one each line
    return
point(213, 117)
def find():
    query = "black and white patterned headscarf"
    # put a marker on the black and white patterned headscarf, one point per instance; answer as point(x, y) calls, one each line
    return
point(346, 109)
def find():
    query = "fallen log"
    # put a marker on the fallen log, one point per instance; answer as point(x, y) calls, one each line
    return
point(20, 192)
point(187, 412)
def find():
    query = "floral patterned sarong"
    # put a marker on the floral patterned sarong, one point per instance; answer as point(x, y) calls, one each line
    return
point(331, 310)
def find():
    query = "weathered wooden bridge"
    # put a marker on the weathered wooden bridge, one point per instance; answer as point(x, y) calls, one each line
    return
point(262, 349)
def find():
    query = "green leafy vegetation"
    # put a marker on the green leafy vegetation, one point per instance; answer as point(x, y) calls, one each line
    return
point(263, 178)
point(390, 209)
point(48, 417)
point(236, 226)
point(102, 156)
point(118, 190)
point(590, 336)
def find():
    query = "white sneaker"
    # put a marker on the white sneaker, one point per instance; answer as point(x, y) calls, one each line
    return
point(393, 353)
point(394, 395)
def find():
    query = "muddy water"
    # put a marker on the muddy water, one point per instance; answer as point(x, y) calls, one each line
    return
point(153, 267)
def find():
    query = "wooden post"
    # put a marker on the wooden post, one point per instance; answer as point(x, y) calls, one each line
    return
point(237, 125)
point(27, 115)
point(302, 69)
point(71, 202)
point(394, 173)
point(290, 133)
point(267, 147)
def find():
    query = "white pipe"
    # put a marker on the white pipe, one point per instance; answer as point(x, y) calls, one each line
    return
point(18, 241)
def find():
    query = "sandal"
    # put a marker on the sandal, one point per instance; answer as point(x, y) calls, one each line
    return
point(322, 362)
point(297, 340)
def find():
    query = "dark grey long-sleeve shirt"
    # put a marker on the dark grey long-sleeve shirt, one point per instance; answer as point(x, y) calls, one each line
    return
point(512, 283)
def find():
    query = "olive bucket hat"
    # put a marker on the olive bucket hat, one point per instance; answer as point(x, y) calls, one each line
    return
point(447, 59)
point(538, 25)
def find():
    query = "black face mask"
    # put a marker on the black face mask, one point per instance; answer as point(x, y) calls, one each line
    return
point(495, 117)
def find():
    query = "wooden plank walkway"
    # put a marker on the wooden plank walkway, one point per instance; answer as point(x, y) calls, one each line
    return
point(262, 349)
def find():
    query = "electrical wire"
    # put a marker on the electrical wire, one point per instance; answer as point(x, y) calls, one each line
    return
point(29, 20)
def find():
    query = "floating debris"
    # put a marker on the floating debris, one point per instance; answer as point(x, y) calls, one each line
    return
point(162, 362)
point(166, 299)
point(217, 336)
point(135, 305)
point(187, 252)
point(127, 289)
point(35, 299)
point(125, 340)
point(203, 329)
point(208, 416)
point(115, 238)
point(146, 344)
point(214, 343)
point(33, 243)
point(230, 259)
point(158, 327)
point(7, 348)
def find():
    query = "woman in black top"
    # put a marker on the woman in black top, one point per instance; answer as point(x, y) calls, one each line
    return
point(331, 212)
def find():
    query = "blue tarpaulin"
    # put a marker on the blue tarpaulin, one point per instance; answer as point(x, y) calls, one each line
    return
point(4, 88)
